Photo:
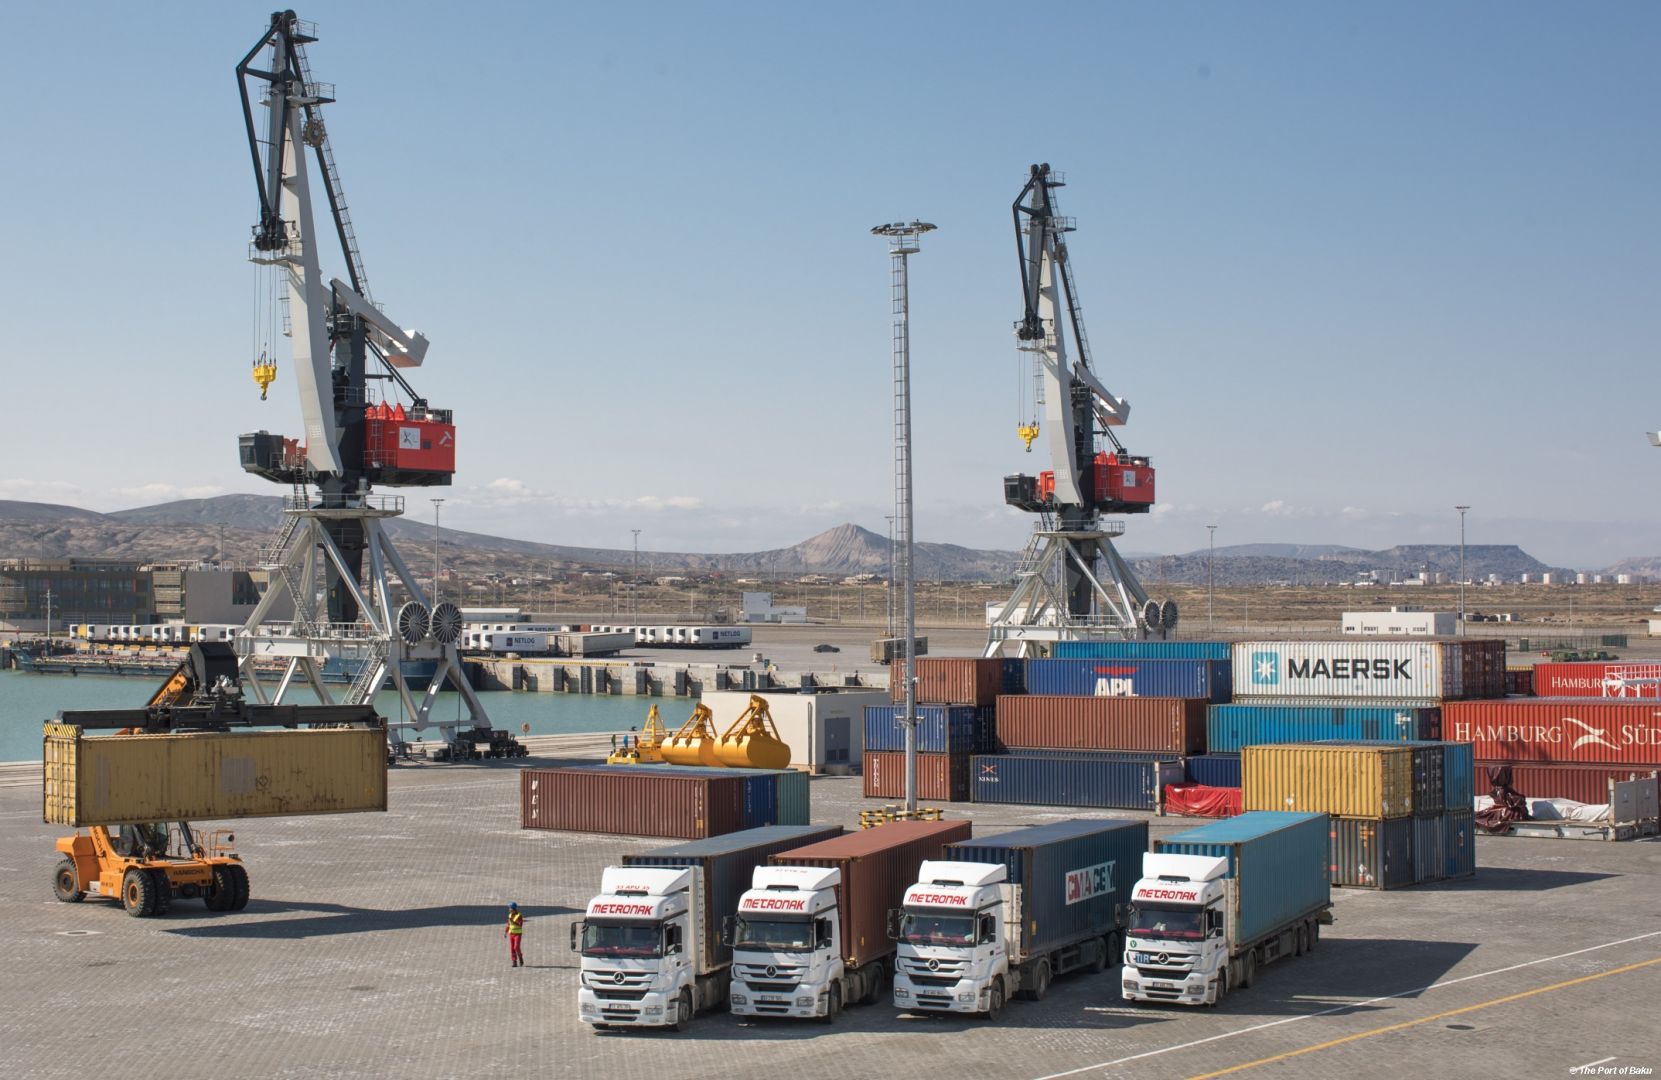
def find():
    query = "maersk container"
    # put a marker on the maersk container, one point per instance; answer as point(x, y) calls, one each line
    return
point(1229, 727)
point(728, 863)
point(1143, 650)
point(1458, 844)
point(1369, 853)
point(941, 729)
point(1060, 722)
point(1427, 671)
point(1278, 861)
point(1207, 680)
point(1072, 877)
point(1071, 780)
point(1332, 778)
point(771, 796)
point(1214, 770)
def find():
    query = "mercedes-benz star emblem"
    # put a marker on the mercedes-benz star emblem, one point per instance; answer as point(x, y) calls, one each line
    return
point(771, 971)
point(619, 977)
point(1164, 958)
point(934, 965)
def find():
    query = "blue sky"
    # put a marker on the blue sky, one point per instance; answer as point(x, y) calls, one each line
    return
point(1351, 265)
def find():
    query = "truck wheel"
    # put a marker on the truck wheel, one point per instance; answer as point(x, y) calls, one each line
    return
point(1104, 955)
point(138, 893)
point(1314, 935)
point(164, 893)
point(833, 1005)
point(1222, 987)
point(66, 883)
point(873, 993)
point(1302, 944)
point(1248, 969)
point(995, 1000)
point(1040, 981)
point(683, 1011)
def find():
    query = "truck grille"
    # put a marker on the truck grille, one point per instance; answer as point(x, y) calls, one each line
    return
point(614, 985)
point(934, 972)
point(769, 976)
point(932, 980)
point(618, 995)
point(771, 987)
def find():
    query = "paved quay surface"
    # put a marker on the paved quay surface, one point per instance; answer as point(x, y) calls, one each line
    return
point(372, 947)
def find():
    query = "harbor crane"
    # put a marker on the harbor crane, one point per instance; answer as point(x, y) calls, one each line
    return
point(1072, 584)
point(364, 425)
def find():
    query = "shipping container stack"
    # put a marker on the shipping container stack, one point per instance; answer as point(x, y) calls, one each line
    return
point(956, 698)
point(685, 802)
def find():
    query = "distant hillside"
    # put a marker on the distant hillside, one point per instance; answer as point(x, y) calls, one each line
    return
point(1282, 551)
point(1347, 564)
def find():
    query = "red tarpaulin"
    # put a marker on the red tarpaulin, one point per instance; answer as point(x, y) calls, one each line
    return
point(1197, 800)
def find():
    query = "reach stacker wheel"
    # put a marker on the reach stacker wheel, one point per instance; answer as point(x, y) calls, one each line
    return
point(138, 893)
point(66, 884)
point(164, 892)
point(230, 883)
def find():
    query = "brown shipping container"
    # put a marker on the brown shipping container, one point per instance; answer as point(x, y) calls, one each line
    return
point(1582, 783)
point(939, 776)
point(1360, 781)
point(1557, 730)
point(1484, 664)
point(950, 680)
point(650, 802)
point(878, 865)
point(210, 776)
point(1044, 722)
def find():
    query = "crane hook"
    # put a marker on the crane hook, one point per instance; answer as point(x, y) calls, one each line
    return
point(1027, 432)
point(265, 373)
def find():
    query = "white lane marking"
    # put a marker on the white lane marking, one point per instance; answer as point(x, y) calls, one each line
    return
point(1345, 1008)
point(1590, 1064)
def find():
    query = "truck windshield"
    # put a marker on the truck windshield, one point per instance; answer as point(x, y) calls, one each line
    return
point(917, 928)
point(622, 939)
point(1181, 924)
point(782, 935)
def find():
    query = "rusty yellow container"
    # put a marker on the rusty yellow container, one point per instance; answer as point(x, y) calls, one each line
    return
point(124, 779)
point(1361, 781)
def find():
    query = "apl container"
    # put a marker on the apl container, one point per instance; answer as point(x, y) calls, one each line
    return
point(728, 862)
point(1204, 679)
point(939, 776)
point(1215, 770)
point(1372, 854)
point(1558, 730)
point(958, 680)
point(1458, 844)
point(1229, 727)
point(1600, 679)
point(631, 801)
point(1582, 783)
point(1355, 668)
point(1169, 725)
point(1332, 778)
point(1143, 650)
point(1278, 860)
point(941, 729)
point(1071, 780)
point(771, 796)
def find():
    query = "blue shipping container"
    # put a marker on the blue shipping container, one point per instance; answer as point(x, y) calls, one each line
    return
point(1073, 876)
point(1228, 728)
point(1208, 680)
point(771, 796)
point(941, 729)
point(1458, 844)
point(1459, 775)
point(1278, 859)
point(729, 864)
point(1014, 676)
point(1215, 770)
point(1143, 650)
point(1429, 843)
point(1071, 780)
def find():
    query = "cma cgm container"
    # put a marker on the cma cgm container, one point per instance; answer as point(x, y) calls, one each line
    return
point(1330, 778)
point(631, 802)
point(1428, 671)
point(958, 680)
point(939, 776)
point(1071, 779)
point(1173, 725)
point(1143, 650)
point(941, 729)
point(1558, 730)
point(1596, 680)
point(127, 779)
point(1214, 770)
point(1229, 727)
point(771, 796)
point(727, 863)
point(1582, 783)
point(1204, 679)
point(1368, 853)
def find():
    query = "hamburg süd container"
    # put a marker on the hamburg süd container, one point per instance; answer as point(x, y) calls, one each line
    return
point(209, 776)
point(1348, 780)
point(1071, 779)
point(941, 729)
point(943, 777)
point(632, 801)
point(1229, 727)
point(1214, 770)
point(1055, 722)
point(1582, 783)
point(1348, 669)
point(1143, 650)
point(771, 796)
point(1204, 679)
point(878, 865)
point(1071, 876)
point(957, 680)
point(1596, 679)
point(728, 862)
point(1278, 861)
point(1369, 853)
point(1558, 730)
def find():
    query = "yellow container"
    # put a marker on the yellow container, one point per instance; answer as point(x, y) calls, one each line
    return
point(125, 779)
point(1345, 781)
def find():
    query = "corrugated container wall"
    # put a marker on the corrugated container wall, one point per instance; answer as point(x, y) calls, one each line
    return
point(1557, 730)
point(939, 776)
point(631, 802)
point(1279, 859)
point(1582, 783)
point(1071, 779)
point(1204, 679)
point(1330, 778)
point(1430, 837)
point(1372, 854)
point(1143, 650)
point(941, 729)
point(771, 796)
point(878, 865)
point(1458, 844)
point(1595, 680)
point(1176, 725)
point(728, 863)
point(210, 776)
point(1073, 875)
point(957, 680)
point(1484, 667)
point(1215, 770)
point(1229, 727)
point(1407, 670)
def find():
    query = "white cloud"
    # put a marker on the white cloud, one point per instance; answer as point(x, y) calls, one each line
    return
point(508, 486)
point(30, 490)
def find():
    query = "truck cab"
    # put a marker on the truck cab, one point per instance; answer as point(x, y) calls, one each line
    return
point(953, 933)
point(1177, 947)
point(638, 939)
point(787, 945)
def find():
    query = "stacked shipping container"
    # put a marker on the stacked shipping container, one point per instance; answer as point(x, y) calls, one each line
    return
point(689, 803)
point(955, 700)
point(1561, 747)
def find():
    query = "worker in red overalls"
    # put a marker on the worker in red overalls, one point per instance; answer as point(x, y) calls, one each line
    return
point(515, 931)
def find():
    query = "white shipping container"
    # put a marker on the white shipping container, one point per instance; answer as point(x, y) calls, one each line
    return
point(1347, 669)
point(519, 643)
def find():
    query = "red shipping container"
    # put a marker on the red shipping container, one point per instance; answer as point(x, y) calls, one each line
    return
point(1582, 783)
point(1598, 680)
point(939, 776)
point(1057, 722)
point(1557, 730)
point(650, 802)
point(950, 680)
